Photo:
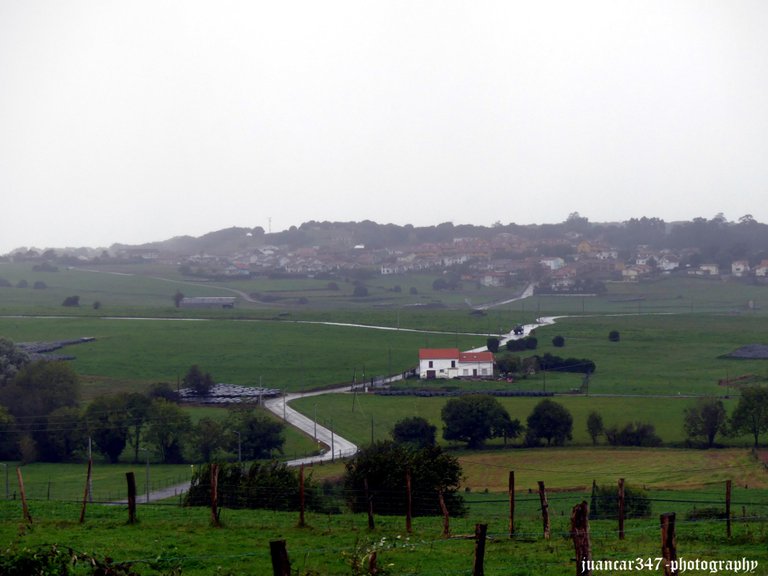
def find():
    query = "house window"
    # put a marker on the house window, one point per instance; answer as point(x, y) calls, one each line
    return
point(466, 371)
point(453, 363)
point(430, 364)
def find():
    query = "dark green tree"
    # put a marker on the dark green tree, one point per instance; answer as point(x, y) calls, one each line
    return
point(550, 421)
point(595, 426)
point(168, 428)
point(476, 418)
point(210, 438)
point(199, 382)
point(65, 435)
point(614, 336)
point(415, 431)
point(137, 410)
point(163, 390)
point(8, 436)
point(71, 301)
point(12, 359)
point(38, 389)
point(492, 343)
point(751, 413)
point(558, 341)
point(508, 364)
point(705, 420)
point(177, 298)
point(260, 436)
point(107, 422)
point(383, 465)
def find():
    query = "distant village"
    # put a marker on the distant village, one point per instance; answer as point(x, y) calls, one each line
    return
point(558, 259)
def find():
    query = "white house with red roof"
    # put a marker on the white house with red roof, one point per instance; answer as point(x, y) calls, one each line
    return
point(452, 363)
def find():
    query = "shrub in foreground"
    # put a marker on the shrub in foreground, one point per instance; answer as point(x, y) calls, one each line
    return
point(271, 486)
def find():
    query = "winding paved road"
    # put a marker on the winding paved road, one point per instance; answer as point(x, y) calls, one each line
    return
point(336, 446)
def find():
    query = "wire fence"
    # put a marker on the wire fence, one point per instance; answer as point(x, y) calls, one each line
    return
point(341, 538)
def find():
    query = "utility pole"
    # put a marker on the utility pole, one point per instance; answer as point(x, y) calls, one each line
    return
point(7, 491)
point(90, 479)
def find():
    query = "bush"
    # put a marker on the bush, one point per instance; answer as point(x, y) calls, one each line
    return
point(605, 503)
point(614, 336)
point(708, 513)
point(59, 560)
point(416, 431)
point(271, 486)
point(71, 301)
point(574, 365)
point(633, 434)
point(558, 341)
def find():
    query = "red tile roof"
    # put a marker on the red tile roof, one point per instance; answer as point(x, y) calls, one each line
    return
point(454, 354)
point(486, 356)
point(438, 353)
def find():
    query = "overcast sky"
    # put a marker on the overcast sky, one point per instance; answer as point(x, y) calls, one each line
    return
point(132, 121)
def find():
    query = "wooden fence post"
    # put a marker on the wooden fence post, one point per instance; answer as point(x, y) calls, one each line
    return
point(372, 567)
point(668, 543)
point(369, 502)
point(580, 535)
point(511, 489)
point(728, 508)
point(544, 509)
point(301, 497)
point(131, 479)
point(281, 566)
point(215, 496)
point(480, 532)
point(86, 491)
point(409, 503)
point(446, 516)
point(621, 508)
point(25, 508)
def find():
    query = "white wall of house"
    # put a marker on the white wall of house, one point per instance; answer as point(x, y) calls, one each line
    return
point(442, 368)
point(476, 369)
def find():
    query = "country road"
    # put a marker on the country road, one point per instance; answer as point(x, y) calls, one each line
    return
point(336, 446)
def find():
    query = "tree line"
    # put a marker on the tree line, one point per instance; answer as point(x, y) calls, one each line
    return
point(41, 419)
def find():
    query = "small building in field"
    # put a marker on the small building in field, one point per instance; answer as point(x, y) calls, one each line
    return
point(208, 302)
point(452, 363)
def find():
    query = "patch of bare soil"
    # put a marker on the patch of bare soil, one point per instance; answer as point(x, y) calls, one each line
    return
point(750, 352)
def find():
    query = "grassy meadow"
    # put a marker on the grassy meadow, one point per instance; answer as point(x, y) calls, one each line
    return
point(170, 539)
point(674, 334)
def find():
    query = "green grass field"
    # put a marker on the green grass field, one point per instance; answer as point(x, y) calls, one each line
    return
point(168, 537)
point(674, 333)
